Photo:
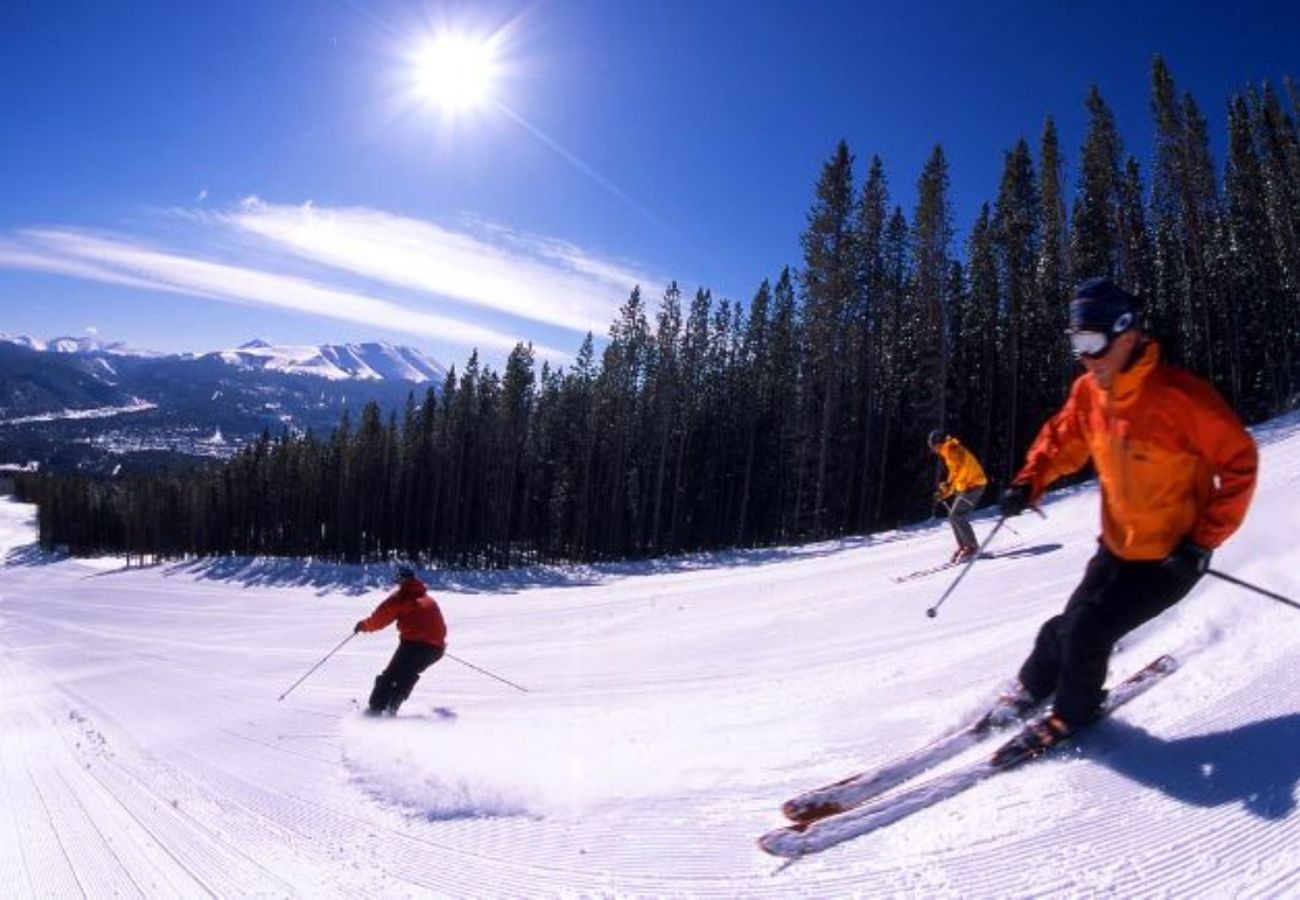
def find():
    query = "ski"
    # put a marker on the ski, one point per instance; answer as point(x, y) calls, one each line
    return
point(835, 798)
point(921, 573)
point(803, 838)
point(943, 567)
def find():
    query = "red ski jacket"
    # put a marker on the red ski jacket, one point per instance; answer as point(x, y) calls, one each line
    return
point(1172, 457)
point(417, 614)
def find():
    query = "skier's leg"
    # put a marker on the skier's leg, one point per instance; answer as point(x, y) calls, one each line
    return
point(954, 523)
point(962, 506)
point(416, 658)
point(1139, 592)
point(1042, 669)
point(385, 682)
point(379, 695)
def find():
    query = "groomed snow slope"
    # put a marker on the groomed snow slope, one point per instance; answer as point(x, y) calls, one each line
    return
point(672, 707)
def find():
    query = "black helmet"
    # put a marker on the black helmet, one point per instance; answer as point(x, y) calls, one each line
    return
point(1100, 304)
point(404, 572)
point(935, 438)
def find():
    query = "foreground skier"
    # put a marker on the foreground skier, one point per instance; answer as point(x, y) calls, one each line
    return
point(423, 635)
point(1177, 471)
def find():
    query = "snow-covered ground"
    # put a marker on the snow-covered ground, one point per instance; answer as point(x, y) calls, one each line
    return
point(671, 708)
point(99, 412)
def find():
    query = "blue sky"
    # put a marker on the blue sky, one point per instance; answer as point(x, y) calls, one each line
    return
point(188, 176)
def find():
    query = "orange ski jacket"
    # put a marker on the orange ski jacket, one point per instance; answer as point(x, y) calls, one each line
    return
point(417, 615)
point(964, 470)
point(1173, 459)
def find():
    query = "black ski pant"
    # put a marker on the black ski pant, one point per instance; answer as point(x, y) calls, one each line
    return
point(963, 504)
point(394, 684)
point(1073, 649)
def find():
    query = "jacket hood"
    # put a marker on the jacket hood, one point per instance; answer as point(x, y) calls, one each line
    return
point(413, 587)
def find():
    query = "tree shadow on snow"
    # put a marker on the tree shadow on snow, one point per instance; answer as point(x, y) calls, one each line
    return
point(32, 555)
point(327, 577)
point(1256, 764)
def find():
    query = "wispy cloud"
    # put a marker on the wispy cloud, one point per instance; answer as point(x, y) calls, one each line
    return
point(128, 262)
point(459, 285)
point(532, 278)
point(20, 254)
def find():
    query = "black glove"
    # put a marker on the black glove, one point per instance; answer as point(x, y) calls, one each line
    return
point(1188, 562)
point(356, 629)
point(1014, 500)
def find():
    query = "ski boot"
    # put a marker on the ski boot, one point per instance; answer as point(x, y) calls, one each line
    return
point(1009, 709)
point(1034, 739)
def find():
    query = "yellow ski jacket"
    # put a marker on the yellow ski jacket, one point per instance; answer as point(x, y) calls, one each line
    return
point(964, 470)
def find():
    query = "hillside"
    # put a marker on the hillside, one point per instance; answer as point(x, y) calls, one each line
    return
point(671, 707)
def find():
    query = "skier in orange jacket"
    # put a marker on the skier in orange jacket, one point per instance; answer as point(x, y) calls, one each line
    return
point(423, 640)
point(1177, 471)
point(965, 485)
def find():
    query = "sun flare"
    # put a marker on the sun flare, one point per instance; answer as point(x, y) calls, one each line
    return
point(456, 72)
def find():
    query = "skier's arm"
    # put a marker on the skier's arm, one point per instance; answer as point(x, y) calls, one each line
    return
point(1219, 437)
point(384, 615)
point(944, 491)
point(1059, 449)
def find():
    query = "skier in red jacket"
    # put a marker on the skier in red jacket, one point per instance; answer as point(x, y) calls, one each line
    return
point(423, 640)
point(1177, 471)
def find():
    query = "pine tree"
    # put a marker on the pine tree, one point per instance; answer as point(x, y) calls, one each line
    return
point(1184, 203)
point(516, 415)
point(1138, 254)
point(931, 239)
point(1052, 281)
point(754, 405)
point(786, 440)
point(829, 280)
point(865, 331)
point(1016, 237)
point(898, 370)
point(1279, 152)
point(1096, 239)
point(664, 403)
point(1253, 276)
point(978, 335)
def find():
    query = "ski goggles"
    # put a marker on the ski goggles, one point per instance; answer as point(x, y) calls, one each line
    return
point(1093, 344)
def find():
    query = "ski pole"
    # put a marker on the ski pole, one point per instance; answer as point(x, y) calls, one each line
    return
point(934, 610)
point(1252, 587)
point(318, 665)
point(487, 673)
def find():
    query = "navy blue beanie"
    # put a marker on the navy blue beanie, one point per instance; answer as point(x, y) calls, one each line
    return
point(1100, 304)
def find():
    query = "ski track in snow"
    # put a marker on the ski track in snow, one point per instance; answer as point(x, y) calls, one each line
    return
point(672, 709)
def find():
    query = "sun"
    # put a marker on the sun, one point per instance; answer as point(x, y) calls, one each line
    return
point(456, 72)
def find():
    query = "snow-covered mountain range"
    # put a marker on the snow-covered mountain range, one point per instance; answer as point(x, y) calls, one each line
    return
point(374, 361)
point(85, 402)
